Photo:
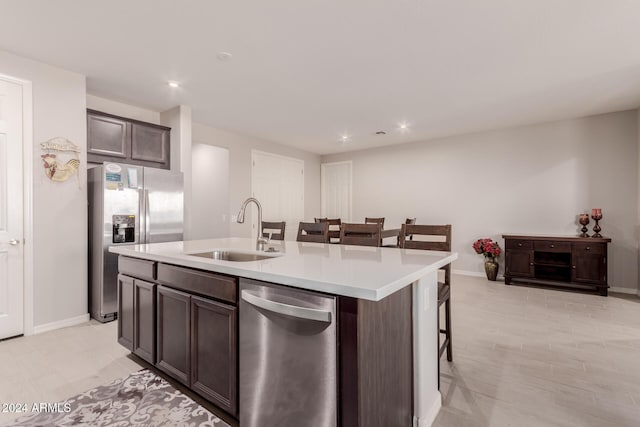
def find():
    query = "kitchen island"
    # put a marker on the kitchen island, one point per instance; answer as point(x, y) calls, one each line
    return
point(365, 355)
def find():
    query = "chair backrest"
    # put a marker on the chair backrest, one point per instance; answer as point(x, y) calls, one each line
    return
point(334, 226)
point(360, 234)
point(275, 229)
point(427, 237)
point(331, 221)
point(410, 221)
point(317, 232)
point(380, 221)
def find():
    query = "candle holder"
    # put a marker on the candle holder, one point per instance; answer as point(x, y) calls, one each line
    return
point(584, 221)
point(596, 214)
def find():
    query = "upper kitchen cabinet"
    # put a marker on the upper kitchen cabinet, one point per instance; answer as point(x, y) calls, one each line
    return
point(118, 139)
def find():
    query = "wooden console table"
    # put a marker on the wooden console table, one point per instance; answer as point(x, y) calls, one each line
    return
point(569, 262)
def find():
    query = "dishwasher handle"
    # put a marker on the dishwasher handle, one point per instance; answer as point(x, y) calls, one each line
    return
point(287, 309)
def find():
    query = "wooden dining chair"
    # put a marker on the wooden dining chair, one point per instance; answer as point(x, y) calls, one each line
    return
point(360, 234)
point(317, 232)
point(434, 238)
point(273, 230)
point(334, 227)
point(397, 243)
point(380, 221)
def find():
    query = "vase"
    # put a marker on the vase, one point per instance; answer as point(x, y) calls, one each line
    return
point(491, 268)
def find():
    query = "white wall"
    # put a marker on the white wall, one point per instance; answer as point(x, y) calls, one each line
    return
point(59, 209)
point(121, 109)
point(637, 233)
point(179, 120)
point(532, 179)
point(240, 147)
point(210, 192)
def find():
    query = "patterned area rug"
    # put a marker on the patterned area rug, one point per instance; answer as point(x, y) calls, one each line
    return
point(141, 399)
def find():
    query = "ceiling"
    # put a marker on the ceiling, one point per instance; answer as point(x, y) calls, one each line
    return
point(304, 73)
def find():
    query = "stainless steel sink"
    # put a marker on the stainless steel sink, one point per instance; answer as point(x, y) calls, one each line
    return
point(232, 256)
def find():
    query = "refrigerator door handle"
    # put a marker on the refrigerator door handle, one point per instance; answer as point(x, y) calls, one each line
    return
point(287, 309)
point(147, 222)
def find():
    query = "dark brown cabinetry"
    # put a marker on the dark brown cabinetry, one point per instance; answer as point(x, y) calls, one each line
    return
point(144, 320)
point(186, 326)
point(118, 139)
point(136, 316)
point(125, 311)
point(213, 352)
point(204, 357)
point(573, 262)
point(174, 319)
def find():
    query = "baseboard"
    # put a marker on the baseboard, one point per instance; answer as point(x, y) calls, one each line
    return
point(624, 290)
point(474, 274)
point(431, 415)
point(72, 321)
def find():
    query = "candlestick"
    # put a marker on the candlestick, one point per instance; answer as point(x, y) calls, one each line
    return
point(584, 220)
point(596, 214)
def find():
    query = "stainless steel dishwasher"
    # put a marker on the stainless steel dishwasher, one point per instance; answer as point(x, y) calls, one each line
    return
point(288, 371)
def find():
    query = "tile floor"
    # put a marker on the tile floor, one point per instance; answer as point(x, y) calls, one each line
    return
point(533, 357)
point(522, 357)
point(56, 365)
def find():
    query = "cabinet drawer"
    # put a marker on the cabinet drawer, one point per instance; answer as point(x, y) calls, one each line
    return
point(519, 244)
point(590, 248)
point(552, 246)
point(139, 268)
point(199, 282)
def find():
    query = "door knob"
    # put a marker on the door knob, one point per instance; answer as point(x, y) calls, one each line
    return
point(13, 242)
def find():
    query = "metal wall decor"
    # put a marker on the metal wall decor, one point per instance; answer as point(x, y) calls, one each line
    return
point(60, 159)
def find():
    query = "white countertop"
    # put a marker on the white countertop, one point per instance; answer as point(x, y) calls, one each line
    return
point(353, 271)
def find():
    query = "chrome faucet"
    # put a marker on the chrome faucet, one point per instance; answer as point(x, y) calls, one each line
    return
point(261, 242)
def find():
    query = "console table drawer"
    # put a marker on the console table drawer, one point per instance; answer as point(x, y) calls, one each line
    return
point(519, 244)
point(552, 246)
point(590, 248)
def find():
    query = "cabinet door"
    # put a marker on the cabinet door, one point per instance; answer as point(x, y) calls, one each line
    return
point(125, 311)
point(213, 352)
point(589, 268)
point(173, 353)
point(519, 263)
point(150, 144)
point(144, 320)
point(107, 137)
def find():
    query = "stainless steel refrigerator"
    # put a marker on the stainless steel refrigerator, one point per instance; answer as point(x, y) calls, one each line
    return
point(127, 205)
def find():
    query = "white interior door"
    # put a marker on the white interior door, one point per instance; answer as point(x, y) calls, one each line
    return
point(278, 183)
point(11, 237)
point(336, 190)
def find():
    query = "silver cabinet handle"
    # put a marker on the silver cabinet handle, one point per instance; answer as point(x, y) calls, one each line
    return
point(14, 242)
point(287, 309)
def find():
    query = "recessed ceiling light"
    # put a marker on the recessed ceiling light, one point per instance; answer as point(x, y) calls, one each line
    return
point(224, 56)
point(403, 126)
point(173, 83)
point(344, 138)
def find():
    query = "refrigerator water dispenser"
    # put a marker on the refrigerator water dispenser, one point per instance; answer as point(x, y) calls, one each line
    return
point(124, 228)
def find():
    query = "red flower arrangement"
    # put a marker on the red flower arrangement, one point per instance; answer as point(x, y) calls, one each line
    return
point(487, 247)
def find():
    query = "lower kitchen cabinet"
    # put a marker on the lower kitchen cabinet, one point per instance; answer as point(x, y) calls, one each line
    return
point(136, 316)
point(196, 340)
point(173, 333)
point(144, 320)
point(125, 311)
point(213, 352)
